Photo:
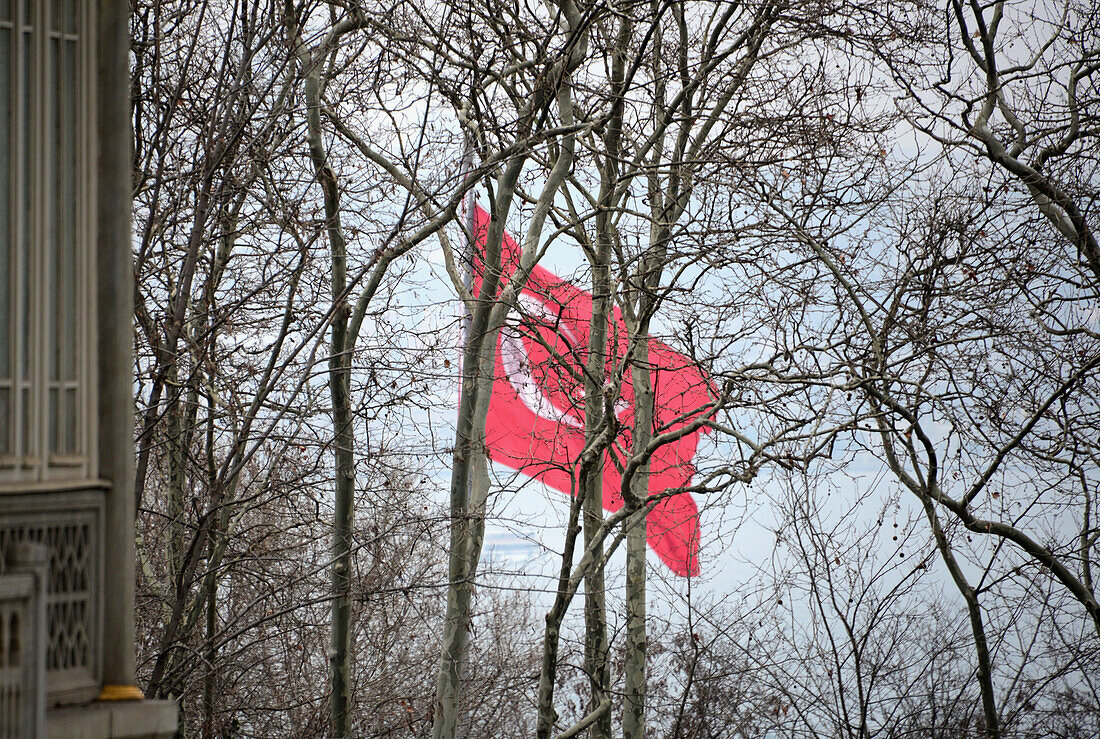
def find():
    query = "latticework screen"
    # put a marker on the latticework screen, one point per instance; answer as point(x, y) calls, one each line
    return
point(72, 539)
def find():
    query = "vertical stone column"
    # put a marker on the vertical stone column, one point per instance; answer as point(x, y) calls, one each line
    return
point(114, 304)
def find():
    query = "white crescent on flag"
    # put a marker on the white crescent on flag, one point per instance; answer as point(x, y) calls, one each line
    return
point(517, 363)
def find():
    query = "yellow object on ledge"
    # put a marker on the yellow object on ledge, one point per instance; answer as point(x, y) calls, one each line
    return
point(121, 693)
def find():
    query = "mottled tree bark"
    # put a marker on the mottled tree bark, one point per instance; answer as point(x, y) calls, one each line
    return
point(469, 474)
point(636, 642)
point(343, 434)
point(591, 475)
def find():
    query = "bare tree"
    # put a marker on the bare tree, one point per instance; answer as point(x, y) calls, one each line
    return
point(737, 182)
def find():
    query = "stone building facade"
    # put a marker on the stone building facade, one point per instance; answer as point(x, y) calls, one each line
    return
point(66, 383)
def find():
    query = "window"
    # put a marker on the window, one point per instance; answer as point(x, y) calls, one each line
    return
point(46, 301)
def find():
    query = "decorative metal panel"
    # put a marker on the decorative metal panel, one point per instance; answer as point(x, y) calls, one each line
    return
point(72, 540)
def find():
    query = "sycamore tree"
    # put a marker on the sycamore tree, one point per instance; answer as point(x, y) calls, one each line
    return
point(254, 280)
point(628, 117)
point(671, 97)
point(865, 233)
point(960, 333)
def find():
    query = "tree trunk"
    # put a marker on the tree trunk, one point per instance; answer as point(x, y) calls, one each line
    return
point(591, 479)
point(984, 672)
point(636, 645)
point(469, 476)
point(343, 433)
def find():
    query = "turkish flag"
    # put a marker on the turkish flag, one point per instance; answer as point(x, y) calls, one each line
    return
point(536, 414)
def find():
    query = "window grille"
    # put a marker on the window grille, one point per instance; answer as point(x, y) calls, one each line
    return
point(45, 226)
point(48, 495)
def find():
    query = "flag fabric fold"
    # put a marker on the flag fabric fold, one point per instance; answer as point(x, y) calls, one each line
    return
point(536, 415)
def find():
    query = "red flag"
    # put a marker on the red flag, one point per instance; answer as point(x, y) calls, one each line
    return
point(536, 414)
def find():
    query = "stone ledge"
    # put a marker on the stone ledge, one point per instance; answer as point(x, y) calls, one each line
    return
point(145, 719)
